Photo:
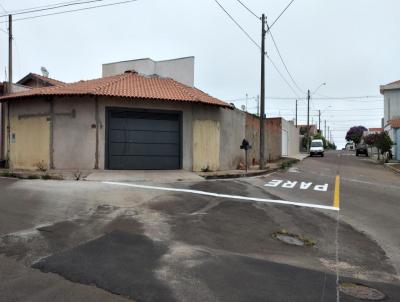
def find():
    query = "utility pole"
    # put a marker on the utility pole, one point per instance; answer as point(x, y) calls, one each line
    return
point(319, 121)
point(329, 134)
point(325, 129)
point(296, 113)
point(308, 120)
point(262, 95)
point(10, 60)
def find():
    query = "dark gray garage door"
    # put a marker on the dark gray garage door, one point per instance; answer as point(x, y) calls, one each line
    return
point(143, 140)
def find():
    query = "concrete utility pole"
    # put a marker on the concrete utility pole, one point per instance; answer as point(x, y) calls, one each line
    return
point(308, 120)
point(262, 95)
point(325, 128)
point(296, 113)
point(329, 134)
point(10, 60)
point(319, 120)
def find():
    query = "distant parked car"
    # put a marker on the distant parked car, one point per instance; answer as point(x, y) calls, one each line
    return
point(362, 149)
point(317, 147)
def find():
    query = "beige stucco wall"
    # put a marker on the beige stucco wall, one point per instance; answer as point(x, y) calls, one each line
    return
point(206, 145)
point(74, 137)
point(30, 136)
point(29, 148)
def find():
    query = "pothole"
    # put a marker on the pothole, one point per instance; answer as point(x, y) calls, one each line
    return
point(361, 292)
point(293, 239)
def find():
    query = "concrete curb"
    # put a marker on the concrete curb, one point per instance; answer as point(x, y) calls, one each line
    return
point(393, 169)
point(239, 175)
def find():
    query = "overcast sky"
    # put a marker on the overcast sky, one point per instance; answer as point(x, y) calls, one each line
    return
point(352, 45)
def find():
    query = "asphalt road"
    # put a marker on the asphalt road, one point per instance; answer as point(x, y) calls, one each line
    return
point(90, 241)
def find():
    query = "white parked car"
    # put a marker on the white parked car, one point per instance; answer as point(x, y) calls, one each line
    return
point(317, 147)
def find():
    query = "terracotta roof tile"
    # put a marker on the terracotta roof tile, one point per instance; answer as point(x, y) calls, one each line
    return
point(127, 85)
point(394, 123)
point(375, 129)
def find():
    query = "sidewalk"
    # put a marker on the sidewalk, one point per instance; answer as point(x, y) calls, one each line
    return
point(254, 170)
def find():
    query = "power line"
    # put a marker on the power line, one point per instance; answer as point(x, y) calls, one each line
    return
point(41, 6)
point(73, 10)
point(33, 10)
point(290, 3)
point(248, 9)
point(281, 75)
point(237, 24)
point(283, 62)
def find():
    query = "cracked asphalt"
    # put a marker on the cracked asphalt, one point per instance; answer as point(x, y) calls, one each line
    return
point(88, 241)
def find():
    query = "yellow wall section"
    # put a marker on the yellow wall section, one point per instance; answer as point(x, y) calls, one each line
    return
point(206, 139)
point(31, 145)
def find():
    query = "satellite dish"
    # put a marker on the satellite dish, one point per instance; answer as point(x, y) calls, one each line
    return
point(44, 71)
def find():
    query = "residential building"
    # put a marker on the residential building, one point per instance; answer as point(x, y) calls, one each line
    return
point(127, 121)
point(31, 80)
point(391, 93)
point(180, 69)
point(34, 80)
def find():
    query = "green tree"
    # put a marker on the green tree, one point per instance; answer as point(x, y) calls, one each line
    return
point(383, 142)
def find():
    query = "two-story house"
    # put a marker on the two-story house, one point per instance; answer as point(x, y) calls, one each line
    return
point(391, 93)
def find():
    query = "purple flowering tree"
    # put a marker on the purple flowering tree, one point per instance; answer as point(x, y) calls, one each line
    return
point(355, 134)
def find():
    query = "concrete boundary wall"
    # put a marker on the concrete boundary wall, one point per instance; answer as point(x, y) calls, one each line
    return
point(76, 133)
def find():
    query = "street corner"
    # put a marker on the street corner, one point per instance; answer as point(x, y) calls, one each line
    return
point(296, 186)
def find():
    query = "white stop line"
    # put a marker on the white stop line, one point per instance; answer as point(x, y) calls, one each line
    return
point(237, 197)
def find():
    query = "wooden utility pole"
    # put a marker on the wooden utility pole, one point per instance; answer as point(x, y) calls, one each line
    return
point(10, 60)
point(325, 129)
point(262, 94)
point(296, 113)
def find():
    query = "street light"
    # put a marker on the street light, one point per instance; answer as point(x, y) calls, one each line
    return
point(308, 114)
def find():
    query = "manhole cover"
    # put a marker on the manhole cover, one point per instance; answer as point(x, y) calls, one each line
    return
point(289, 239)
point(360, 291)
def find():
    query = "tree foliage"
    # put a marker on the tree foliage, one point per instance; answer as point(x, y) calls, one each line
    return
point(370, 139)
point(383, 142)
point(355, 134)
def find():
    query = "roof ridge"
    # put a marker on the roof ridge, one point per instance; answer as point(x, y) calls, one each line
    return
point(113, 79)
point(183, 88)
point(47, 78)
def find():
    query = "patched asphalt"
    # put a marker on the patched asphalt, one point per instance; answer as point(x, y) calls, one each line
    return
point(119, 262)
point(91, 242)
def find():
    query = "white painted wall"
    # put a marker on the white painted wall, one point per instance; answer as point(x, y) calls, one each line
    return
point(391, 105)
point(293, 135)
point(181, 69)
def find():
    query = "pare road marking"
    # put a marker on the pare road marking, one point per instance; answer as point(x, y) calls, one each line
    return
point(287, 184)
point(227, 196)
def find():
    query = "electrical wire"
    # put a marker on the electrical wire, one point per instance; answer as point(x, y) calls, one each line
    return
point(29, 11)
point(283, 61)
point(74, 10)
point(248, 9)
point(237, 24)
point(280, 15)
point(281, 75)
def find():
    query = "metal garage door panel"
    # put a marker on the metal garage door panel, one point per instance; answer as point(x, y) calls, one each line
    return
point(160, 137)
point(127, 149)
point(143, 140)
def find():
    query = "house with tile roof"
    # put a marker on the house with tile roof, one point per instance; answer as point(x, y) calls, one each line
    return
point(124, 121)
point(391, 93)
point(34, 80)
